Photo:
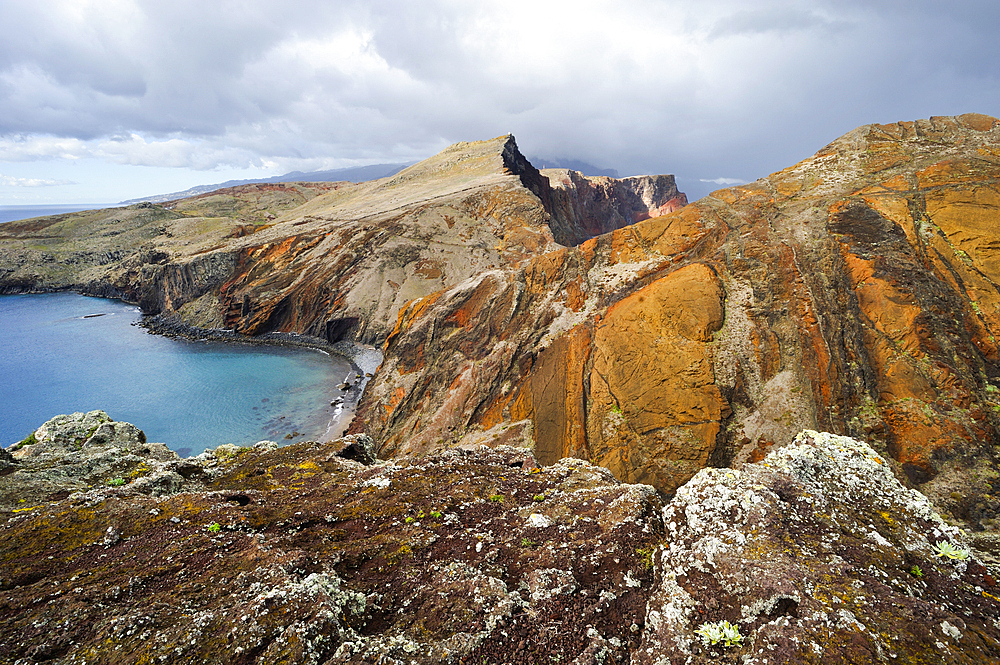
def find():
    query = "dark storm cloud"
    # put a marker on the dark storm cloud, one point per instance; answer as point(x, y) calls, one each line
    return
point(717, 90)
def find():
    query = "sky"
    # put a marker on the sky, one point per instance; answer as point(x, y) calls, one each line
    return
point(107, 100)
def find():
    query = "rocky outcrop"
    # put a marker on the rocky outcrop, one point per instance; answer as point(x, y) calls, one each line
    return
point(303, 554)
point(76, 452)
point(817, 555)
point(299, 554)
point(852, 292)
point(587, 206)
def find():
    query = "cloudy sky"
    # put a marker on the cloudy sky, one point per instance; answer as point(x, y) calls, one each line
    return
point(105, 100)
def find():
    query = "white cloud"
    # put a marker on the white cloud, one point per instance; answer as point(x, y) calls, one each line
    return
point(641, 86)
point(10, 181)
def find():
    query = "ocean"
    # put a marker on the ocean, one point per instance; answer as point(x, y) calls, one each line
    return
point(64, 352)
point(10, 213)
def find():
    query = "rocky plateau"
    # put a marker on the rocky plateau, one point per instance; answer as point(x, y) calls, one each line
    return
point(607, 424)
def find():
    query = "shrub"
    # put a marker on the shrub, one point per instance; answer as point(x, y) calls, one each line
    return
point(29, 440)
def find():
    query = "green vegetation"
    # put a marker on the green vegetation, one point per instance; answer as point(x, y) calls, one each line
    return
point(916, 572)
point(723, 631)
point(647, 556)
point(947, 550)
point(496, 498)
point(29, 440)
point(538, 497)
point(214, 527)
point(527, 542)
point(116, 482)
point(436, 514)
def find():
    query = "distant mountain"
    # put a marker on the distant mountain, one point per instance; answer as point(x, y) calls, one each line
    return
point(573, 165)
point(351, 174)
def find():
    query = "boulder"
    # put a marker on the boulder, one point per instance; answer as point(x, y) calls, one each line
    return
point(817, 554)
point(76, 452)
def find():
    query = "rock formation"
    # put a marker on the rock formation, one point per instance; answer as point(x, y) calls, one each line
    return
point(855, 292)
point(543, 390)
point(302, 555)
point(335, 261)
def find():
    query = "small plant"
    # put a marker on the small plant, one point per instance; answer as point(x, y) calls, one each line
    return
point(647, 556)
point(723, 631)
point(421, 515)
point(538, 497)
point(527, 542)
point(946, 549)
point(436, 514)
point(214, 527)
point(916, 572)
point(496, 498)
point(409, 520)
point(29, 440)
point(116, 482)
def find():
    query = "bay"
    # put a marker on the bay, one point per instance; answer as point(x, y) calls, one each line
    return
point(62, 353)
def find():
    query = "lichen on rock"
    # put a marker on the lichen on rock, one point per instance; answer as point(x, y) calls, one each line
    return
point(810, 552)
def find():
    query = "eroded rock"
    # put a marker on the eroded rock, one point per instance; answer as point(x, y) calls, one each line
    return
point(818, 554)
point(854, 292)
point(75, 452)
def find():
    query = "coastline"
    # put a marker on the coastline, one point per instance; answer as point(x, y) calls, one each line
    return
point(364, 360)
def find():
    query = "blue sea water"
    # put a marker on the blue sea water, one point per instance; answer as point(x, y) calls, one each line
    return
point(10, 213)
point(62, 353)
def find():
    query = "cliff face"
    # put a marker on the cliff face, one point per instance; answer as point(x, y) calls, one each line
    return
point(855, 292)
point(587, 206)
point(332, 260)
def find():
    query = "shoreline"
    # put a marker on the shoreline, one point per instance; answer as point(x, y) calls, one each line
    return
point(363, 360)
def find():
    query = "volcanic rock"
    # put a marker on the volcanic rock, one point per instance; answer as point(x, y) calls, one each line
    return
point(854, 292)
point(334, 261)
point(296, 554)
point(819, 555)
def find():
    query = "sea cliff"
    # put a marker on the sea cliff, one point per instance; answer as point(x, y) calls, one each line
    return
point(607, 426)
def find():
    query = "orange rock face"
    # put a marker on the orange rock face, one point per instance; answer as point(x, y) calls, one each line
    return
point(855, 292)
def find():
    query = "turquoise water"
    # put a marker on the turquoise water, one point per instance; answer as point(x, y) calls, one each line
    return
point(63, 353)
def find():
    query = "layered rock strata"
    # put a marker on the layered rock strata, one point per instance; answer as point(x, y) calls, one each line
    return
point(309, 554)
point(854, 292)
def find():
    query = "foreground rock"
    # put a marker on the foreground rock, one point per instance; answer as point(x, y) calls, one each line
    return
point(299, 555)
point(819, 555)
point(304, 555)
point(77, 452)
